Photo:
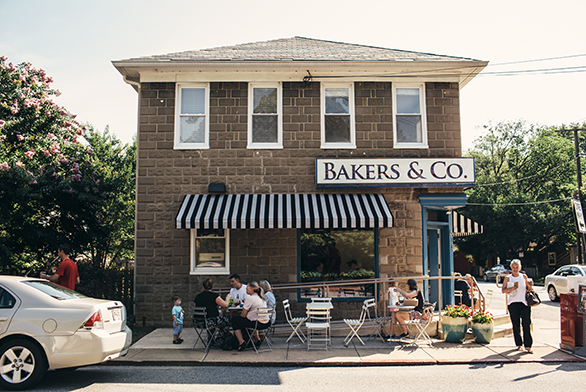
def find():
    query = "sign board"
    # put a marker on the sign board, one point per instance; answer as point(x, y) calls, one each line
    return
point(399, 172)
point(579, 216)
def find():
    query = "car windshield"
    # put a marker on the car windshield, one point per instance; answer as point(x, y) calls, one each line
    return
point(54, 290)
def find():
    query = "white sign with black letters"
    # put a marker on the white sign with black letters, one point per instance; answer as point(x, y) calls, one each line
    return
point(394, 171)
point(579, 216)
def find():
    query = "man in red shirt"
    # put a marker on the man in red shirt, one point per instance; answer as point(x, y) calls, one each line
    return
point(66, 274)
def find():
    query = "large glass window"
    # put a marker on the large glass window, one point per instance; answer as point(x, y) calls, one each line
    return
point(264, 117)
point(409, 116)
point(337, 116)
point(210, 252)
point(191, 119)
point(329, 255)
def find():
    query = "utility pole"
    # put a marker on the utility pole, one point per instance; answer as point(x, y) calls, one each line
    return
point(579, 235)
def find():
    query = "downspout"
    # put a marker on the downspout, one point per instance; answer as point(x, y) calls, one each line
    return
point(136, 86)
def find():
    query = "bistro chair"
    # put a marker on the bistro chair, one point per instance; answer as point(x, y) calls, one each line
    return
point(321, 299)
point(458, 296)
point(294, 322)
point(378, 323)
point(200, 316)
point(263, 334)
point(422, 323)
point(318, 327)
point(355, 325)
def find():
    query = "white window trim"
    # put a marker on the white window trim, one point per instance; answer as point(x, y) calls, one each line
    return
point(190, 146)
point(352, 143)
point(279, 143)
point(421, 87)
point(193, 270)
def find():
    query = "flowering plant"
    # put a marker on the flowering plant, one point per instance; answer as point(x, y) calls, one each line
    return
point(481, 317)
point(455, 311)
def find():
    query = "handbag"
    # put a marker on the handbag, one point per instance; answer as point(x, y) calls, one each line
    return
point(532, 298)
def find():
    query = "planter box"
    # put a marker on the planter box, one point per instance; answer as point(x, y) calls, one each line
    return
point(482, 332)
point(454, 329)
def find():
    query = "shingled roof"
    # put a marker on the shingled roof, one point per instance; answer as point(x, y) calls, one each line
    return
point(296, 49)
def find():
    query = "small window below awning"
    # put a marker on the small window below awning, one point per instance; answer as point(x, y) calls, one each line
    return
point(283, 211)
point(462, 226)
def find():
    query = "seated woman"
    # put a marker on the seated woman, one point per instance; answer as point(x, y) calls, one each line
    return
point(211, 301)
point(269, 298)
point(249, 315)
point(402, 317)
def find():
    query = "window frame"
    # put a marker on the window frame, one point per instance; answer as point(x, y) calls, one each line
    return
point(194, 270)
point(177, 145)
point(250, 143)
point(422, 109)
point(352, 113)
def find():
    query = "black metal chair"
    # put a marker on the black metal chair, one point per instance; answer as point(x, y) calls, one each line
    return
point(200, 317)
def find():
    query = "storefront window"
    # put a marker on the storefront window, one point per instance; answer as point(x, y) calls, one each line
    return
point(333, 255)
point(210, 253)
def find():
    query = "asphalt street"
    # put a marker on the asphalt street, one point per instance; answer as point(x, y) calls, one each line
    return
point(477, 377)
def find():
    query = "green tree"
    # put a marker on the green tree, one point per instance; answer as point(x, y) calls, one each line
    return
point(56, 186)
point(520, 170)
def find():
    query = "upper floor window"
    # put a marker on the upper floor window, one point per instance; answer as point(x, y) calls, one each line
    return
point(409, 122)
point(192, 116)
point(265, 120)
point(210, 252)
point(337, 116)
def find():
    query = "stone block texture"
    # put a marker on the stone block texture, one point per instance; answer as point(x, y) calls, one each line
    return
point(165, 175)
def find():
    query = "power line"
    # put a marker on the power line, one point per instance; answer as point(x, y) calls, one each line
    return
point(537, 60)
point(519, 204)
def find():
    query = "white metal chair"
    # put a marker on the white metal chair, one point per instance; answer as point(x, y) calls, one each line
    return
point(200, 317)
point(355, 325)
point(294, 322)
point(422, 323)
point(318, 327)
point(378, 323)
point(263, 333)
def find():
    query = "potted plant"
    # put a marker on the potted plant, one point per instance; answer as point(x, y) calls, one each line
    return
point(482, 327)
point(455, 323)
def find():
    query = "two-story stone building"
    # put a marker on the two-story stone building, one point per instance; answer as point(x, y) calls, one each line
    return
point(294, 160)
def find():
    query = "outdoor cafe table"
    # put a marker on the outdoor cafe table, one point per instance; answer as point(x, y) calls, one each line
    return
point(397, 308)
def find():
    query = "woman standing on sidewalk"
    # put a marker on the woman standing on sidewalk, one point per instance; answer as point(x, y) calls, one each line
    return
point(516, 286)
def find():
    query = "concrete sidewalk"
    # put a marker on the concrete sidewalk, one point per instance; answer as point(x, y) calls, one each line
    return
point(156, 349)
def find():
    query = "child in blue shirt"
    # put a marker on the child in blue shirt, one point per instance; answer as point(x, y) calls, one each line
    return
point(177, 319)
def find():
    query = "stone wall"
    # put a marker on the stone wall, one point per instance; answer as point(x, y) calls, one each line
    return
point(165, 175)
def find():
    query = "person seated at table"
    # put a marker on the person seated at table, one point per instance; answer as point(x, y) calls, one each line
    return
point(269, 298)
point(211, 301)
point(465, 287)
point(238, 290)
point(249, 316)
point(416, 313)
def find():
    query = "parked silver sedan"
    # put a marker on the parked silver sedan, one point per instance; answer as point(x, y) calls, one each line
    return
point(45, 326)
point(557, 283)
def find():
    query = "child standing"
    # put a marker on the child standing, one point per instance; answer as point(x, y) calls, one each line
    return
point(177, 319)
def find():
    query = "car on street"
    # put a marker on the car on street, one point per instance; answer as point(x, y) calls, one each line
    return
point(491, 274)
point(45, 326)
point(557, 283)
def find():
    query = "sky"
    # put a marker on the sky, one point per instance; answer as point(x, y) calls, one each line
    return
point(76, 41)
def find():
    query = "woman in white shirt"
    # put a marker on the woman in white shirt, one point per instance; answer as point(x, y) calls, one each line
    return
point(250, 316)
point(517, 285)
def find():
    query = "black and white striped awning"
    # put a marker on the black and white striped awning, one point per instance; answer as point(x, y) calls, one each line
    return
point(276, 211)
point(462, 226)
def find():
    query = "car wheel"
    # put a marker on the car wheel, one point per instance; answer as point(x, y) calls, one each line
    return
point(22, 364)
point(553, 295)
point(485, 278)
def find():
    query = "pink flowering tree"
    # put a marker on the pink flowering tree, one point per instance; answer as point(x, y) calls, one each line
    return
point(60, 181)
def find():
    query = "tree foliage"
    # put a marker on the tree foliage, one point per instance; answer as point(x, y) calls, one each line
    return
point(60, 181)
point(521, 172)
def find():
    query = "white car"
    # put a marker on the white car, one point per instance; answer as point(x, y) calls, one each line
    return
point(45, 326)
point(557, 283)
